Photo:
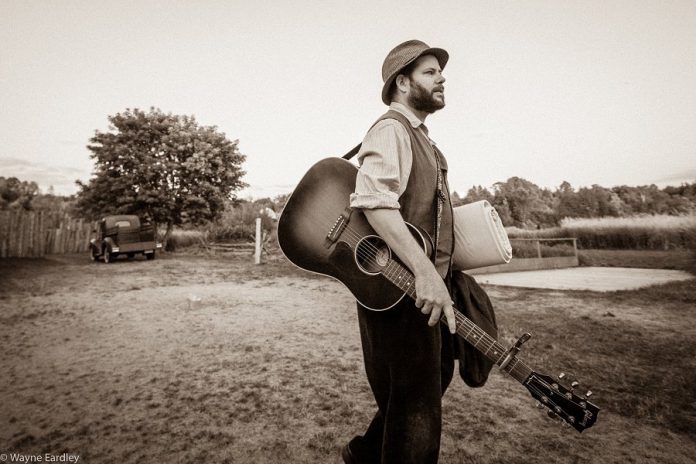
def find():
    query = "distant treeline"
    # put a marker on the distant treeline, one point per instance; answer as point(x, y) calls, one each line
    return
point(519, 202)
point(523, 204)
point(16, 194)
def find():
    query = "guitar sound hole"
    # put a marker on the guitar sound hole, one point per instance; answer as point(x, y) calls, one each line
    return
point(372, 255)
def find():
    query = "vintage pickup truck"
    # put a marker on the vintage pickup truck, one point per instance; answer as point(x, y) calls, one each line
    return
point(123, 235)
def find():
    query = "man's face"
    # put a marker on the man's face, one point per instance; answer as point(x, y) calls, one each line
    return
point(426, 90)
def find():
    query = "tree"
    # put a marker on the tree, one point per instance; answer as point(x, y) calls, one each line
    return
point(17, 194)
point(477, 193)
point(163, 167)
point(525, 202)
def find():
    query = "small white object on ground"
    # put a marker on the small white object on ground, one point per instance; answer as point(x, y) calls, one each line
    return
point(194, 302)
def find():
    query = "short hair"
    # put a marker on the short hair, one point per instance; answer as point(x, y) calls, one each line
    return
point(406, 71)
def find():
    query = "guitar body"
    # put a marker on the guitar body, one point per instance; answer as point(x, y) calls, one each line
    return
point(319, 199)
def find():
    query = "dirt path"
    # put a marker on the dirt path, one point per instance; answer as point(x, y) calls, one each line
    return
point(109, 363)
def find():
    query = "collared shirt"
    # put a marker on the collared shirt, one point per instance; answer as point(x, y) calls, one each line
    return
point(385, 159)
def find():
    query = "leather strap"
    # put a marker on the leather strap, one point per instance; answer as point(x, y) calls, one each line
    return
point(354, 151)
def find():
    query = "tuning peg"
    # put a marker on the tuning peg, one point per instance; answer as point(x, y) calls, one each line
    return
point(539, 405)
point(561, 376)
point(574, 384)
point(588, 394)
point(552, 414)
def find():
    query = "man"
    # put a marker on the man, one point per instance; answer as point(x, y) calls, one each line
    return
point(408, 354)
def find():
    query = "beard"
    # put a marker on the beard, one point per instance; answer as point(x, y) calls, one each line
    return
point(421, 99)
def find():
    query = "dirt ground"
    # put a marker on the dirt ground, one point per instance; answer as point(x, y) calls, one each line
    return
point(113, 364)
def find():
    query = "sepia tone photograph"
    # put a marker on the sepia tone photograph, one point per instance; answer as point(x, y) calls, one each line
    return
point(367, 232)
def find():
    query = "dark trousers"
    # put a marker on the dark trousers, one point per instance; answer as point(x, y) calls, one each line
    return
point(409, 366)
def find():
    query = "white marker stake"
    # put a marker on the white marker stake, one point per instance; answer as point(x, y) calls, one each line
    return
point(257, 249)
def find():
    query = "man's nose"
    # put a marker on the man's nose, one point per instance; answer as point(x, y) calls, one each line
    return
point(441, 79)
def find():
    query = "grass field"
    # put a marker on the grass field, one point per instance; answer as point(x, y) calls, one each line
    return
point(684, 260)
point(109, 362)
point(658, 232)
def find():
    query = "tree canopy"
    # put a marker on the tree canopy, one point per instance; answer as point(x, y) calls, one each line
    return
point(165, 167)
point(15, 193)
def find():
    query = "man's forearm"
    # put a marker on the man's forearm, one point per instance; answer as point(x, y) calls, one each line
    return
point(432, 295)
point(390, 225)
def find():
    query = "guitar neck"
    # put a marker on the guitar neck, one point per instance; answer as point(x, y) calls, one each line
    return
point(400, 276)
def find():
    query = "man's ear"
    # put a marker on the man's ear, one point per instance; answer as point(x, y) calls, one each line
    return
point(402, 83)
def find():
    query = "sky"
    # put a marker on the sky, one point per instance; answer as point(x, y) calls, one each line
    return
point(588, 91)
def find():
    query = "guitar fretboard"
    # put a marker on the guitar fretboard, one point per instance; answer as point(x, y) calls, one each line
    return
point(400, 276)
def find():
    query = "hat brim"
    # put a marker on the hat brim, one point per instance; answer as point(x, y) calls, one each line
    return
point(440, 54)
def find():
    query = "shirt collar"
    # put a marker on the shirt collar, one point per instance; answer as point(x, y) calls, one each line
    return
point(412, 118)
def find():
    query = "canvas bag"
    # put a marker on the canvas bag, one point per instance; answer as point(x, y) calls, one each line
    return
point(473, 302)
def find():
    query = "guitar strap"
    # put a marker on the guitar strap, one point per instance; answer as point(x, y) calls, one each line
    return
point(354, 151)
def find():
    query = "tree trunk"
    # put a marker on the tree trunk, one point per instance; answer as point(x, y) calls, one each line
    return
point(167, 234)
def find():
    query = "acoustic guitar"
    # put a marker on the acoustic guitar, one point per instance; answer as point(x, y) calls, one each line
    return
point(319, 232)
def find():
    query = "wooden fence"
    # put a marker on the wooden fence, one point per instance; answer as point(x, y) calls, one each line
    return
point(28, 234)
point(538, 263)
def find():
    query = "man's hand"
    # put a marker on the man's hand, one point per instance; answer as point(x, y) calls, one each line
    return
point(434, 299)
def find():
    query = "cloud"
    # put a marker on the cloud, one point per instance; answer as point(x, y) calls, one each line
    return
point(686, 176)
point(265, 191)
point(62, 178)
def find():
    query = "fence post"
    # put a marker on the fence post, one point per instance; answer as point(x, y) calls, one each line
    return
point(257, 244)
point(5, 223)
point(538, 242)
point(30, 239)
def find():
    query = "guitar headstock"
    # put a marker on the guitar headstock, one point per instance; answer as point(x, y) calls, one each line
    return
point(573, 409)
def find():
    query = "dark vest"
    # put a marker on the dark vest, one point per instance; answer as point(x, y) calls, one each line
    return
point(419, 200)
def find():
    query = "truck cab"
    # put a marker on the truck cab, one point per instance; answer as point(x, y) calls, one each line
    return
point(123, 235)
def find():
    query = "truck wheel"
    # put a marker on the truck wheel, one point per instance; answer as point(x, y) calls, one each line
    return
point(107, 256)
point(150, 255)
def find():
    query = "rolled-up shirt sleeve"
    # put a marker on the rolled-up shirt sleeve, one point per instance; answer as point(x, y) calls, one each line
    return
point(385, 165)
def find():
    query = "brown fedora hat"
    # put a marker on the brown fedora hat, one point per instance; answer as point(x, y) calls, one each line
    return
point(401, 56)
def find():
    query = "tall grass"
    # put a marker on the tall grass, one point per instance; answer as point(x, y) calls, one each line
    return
point(658, 232)
point(235, 224)
point(658, 221)
point(527, 249)
point(186, 238)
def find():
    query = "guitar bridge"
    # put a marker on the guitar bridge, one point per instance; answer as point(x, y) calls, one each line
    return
point(338, 227)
